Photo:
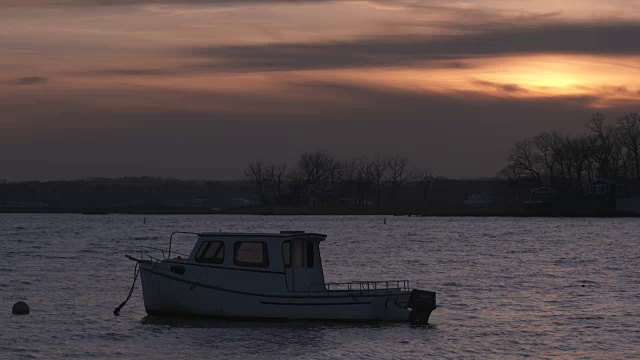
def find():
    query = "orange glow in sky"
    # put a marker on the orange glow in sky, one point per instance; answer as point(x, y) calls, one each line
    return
point(309, 58)
point(148, 45)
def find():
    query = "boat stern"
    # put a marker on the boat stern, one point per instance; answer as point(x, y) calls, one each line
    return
point(421, 303)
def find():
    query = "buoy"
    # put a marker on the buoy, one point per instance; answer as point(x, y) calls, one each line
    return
point(20, 308)
point(385, 221)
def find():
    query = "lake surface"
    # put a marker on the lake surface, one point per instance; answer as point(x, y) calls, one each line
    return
point(507, 288)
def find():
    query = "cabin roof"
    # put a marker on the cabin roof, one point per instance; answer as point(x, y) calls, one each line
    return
point(280, 235)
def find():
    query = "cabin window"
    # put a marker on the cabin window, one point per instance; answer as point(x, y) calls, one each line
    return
point(298, 254)
point(251, 253)
point(310, 255)
point(286, 254)
point(211, 252)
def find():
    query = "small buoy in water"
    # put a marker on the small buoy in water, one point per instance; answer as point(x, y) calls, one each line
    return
point(385, 221)
point(20, 308)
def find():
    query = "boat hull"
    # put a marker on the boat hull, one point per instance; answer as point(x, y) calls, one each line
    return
point(167, 293)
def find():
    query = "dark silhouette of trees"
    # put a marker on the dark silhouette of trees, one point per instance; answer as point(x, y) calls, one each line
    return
point(566, 162)
point(579, 155)
point(629, 126)
point(525, 160)
point(363, 178)
point(604, 144)
point(258, 174)
point(317, 170)
point(398, 174)
point(126, 194)
point(424, 180)
point(379, 167)
point(277, 175)
point(513, 174)
point(548, 145)
point(319, 178)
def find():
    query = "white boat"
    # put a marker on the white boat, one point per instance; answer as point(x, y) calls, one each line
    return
point(269, 276)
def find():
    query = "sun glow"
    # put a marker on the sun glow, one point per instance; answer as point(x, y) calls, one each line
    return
point(606, 78)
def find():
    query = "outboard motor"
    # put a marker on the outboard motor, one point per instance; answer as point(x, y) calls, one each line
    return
point(421, 303)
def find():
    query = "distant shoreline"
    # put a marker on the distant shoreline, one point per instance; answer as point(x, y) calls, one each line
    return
point(302, 212)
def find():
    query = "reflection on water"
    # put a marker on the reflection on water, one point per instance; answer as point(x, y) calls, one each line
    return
point(506, 288)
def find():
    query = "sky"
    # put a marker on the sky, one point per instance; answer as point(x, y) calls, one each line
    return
point(196, 89)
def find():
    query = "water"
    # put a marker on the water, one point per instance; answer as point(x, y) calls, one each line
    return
point(507, 288)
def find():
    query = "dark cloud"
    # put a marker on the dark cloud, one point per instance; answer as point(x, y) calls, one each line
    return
point(584, 38)
point(85, 3)
point(623, 90)
point(207, 67)
point(29, 80)
point(133, 72)
point(408, 50)
point(456, 65)
point(509, 88)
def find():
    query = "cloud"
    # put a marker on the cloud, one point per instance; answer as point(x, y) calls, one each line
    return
point(133, 72)
point(86, 3)
point(29, 80)
point(207, 67)
point(544, 38)
point(508, 88)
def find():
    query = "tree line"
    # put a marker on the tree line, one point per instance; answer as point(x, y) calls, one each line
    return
point(121, 193)
point(321, 178)
point(608, 150)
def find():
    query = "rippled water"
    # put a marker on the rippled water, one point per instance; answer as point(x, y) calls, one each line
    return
point(542, 288)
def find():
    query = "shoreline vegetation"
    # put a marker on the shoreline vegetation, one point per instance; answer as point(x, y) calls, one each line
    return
point(551, 174)
point(305, 212)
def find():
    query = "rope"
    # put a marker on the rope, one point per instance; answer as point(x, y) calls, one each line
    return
point(136, 272)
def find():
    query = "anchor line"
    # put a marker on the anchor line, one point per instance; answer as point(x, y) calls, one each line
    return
point(136, 272)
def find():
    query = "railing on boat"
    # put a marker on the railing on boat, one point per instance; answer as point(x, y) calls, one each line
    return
point(146, 254)
point(363, 287)
point(166, 253)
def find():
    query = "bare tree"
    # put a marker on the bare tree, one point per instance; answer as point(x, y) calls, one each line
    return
point(398, 173)
point(316, 168)
point(566, 161)
point(579, 150)
point(629, 126)
point(363, 178)
point(379, 168)
point(277, 174)
point(344, 177)
point(512, 174)
point(547, 145)
point(605, 141)
point(296, 183)
point(424, 179)
point(524, 158)
point(258, 175)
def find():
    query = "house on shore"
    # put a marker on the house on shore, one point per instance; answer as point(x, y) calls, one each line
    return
point(479, 200)
point(603, 188)
point(541, 195)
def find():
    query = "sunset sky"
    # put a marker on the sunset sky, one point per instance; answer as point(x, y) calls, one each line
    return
point(198, 88)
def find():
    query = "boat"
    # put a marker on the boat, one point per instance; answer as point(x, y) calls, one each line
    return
point(267, 276)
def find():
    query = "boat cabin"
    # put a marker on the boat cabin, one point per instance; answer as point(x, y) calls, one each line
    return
point(294, 254)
